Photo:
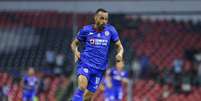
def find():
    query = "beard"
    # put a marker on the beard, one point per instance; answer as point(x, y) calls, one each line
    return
point(101, 26)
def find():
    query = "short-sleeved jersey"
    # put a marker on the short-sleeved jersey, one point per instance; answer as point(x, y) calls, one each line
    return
point(30, 84)
point(117, 76)
point(97, 44)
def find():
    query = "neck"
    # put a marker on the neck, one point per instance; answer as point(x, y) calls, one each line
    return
point(118, 69)
point(98, 29)
point(31, 75)
point(95, 26)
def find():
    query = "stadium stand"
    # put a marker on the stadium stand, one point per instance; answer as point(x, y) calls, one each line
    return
point(26, 36)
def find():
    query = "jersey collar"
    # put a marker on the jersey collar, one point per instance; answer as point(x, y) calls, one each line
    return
point(98, 30)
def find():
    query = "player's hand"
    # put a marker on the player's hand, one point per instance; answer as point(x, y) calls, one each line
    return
point(77, 56)
point(109, 85)
point(119, 57)
point(101, 87)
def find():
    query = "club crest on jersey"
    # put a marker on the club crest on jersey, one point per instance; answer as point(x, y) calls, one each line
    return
point(86, 70)
point(107, 33)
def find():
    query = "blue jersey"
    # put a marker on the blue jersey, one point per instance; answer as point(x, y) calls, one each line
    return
point(117, 77)
point(97, 44)
point(30, 84)
point(108, 92)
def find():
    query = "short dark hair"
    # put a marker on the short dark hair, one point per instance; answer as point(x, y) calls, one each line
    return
point(101, 10)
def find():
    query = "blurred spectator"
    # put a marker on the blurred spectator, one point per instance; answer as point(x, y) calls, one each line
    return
point(166, 76)
point(177, 66)
point(50, 58)
point(186, 85)
point(5, 91)
point(60, 60)
point(59, 64)
point(165, 93)
point(177, 74)
point(144, 63)
point(136, 68)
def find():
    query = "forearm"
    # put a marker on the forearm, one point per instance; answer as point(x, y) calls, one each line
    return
point(120, 49)
point(125, 80)
point(74, 46)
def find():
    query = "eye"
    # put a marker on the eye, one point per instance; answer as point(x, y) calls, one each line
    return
point(102, 18)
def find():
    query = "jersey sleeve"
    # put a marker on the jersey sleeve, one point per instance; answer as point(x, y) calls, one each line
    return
point(81, 35)
point(115, 36)
point(125, 75)
point(36, 81)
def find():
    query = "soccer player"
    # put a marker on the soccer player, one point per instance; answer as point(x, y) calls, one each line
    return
point(30, 84)
point(116, 76)
point(108, 91)
point(93, 60)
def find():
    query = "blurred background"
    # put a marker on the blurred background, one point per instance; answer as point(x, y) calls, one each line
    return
point(162, 41)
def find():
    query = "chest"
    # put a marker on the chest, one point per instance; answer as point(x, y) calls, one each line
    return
point(98, 38)
point(31, 81)
point(116, 75)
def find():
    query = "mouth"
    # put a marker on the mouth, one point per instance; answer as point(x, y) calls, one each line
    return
point(101, 25)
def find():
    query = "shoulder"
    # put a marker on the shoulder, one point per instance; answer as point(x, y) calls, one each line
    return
point(113, 69)
point(110, 27)
point(110, 70)
point(87, 27)
point(35, 78)
point(124, 73)
point(84, 30)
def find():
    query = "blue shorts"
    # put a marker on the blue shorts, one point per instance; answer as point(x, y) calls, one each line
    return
point(93, 76)
point(108, 94)
point(28, 96)
point(113, 94)
point(118, 93)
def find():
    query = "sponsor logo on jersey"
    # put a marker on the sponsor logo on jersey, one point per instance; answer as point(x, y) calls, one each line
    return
point(102, 42)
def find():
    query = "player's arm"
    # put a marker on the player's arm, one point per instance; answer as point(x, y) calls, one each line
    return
point(120, 50)
point(108, 79)
point(125, 80)
point(74, 47)
point(102, 87)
